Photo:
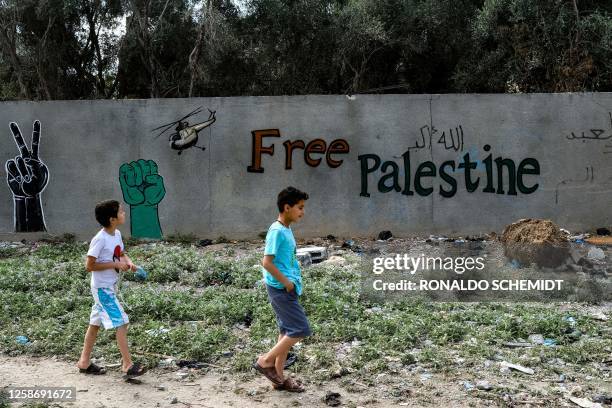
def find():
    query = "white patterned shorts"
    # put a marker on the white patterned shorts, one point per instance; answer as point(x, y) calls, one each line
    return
point(107, 310)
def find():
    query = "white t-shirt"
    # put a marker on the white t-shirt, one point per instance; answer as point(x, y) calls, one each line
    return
point(105, 248)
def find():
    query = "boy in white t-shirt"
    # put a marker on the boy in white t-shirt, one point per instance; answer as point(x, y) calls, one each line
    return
point(105, 258)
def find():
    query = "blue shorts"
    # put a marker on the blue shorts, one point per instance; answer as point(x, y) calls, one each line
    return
point(290, 315)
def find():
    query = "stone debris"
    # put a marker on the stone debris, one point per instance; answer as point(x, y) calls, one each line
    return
point(484, 385)
point(585, 403)
point(596, 254)
point(385, 235)
point(332, 399)
point(305, 259)
point(335, 260)
point(535, 241)
point(536, 339)
point(526, 370)
point(317, 254)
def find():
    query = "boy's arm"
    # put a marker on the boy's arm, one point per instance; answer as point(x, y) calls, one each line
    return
point(128, 260)
point(270, 267)
point(91, 265)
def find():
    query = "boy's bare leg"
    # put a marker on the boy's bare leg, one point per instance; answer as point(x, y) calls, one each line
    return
point(90, 340)
point(278, 354)
point(281, 357)
point(122, 343)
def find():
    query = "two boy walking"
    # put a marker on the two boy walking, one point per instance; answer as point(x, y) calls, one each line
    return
point(281, 271)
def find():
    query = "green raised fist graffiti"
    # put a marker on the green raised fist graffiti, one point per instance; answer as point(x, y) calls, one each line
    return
point(143, 189)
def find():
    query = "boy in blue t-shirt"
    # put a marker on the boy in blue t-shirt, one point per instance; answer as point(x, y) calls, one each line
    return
point(281, 272)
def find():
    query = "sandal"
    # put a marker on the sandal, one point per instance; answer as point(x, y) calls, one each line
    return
point(268, 372)
point(93, 369)
point(291, 385)
point(134, 371)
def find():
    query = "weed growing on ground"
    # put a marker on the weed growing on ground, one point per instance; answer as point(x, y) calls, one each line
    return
point(211, 306)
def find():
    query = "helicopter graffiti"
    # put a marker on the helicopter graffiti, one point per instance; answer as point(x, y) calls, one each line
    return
point(185, 135)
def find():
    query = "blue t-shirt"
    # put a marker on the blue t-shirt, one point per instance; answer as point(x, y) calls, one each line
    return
point(281, 243)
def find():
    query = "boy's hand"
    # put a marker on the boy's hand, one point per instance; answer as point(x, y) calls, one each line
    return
point(122, 266)
point(290, 287)
point(132, 266)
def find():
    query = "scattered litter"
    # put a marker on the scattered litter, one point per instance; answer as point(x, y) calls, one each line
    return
point(205, 242)
point(174, 400)
point(157, 332)
point(603, 399)
point(168, 362)
point(426, 377)
point(331, 237)
point(550, 342)
point(517, 344)
point(515, 264)
point(335, 260)
point(600, 240)
point(161, 387)
point(385, 235)
point(182, 375)
point(584, 403)
point(305, 259)
point(599, 316)
point(317, 254)
point(348, 243)
point(536, 339)
point(570, 320)
point(332, 399)
point(484, 385)
point(517, 367)
point(603, 231)
point(596, 254)
point(190, 364)
point(579, 237)
point(22, 340)
point(468, 386)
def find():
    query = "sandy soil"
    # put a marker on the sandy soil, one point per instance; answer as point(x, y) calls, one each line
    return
point(160, 387)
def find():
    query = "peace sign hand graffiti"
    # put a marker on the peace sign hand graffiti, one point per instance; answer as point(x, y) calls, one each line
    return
point(27, 177)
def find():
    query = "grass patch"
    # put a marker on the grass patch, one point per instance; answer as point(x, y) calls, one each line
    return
point(200, 304)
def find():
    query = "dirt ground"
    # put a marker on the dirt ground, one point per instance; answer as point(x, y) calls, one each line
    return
point(212, 389)
point(159, 388)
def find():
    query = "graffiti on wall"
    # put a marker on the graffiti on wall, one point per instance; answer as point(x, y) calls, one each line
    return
point(593, 133)
point(27, 177)
point(451, 139)
point(389, 177)
point(143, 189)
point(185, 135)
point(389, 180)
point(316, 146)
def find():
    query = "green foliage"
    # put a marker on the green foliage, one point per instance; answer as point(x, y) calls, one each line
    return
point(200, 304)
point(525, 46)
point(71, 49)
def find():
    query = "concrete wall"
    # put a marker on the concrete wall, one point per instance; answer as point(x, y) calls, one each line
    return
point(211, 193)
